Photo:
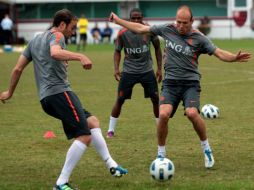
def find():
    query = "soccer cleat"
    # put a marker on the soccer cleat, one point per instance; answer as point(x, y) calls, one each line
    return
point(110, 134)
point(209, 160)
point(65, 186)
point(118, 171)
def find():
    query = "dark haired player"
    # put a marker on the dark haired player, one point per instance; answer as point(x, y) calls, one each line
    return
point(49, 55)
point(137, 68)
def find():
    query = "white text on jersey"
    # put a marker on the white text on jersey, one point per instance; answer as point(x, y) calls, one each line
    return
point(138, 50)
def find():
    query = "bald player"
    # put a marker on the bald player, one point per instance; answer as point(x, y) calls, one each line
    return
point(183, 46)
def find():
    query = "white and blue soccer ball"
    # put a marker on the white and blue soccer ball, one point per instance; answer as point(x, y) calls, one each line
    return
point(162, 169)
point(210, 111)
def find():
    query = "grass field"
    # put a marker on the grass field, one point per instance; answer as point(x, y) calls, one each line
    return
point(28, 161)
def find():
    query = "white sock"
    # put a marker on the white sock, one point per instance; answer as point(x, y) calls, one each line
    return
point(112, 123)
point(205, 145)
point(157, 121)
point(73, 155)
point(101, 147)
point(162, 151)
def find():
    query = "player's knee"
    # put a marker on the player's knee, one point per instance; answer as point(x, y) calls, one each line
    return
point(191, 113)
point(86, 139)
point(93, 122)
point(164, 116)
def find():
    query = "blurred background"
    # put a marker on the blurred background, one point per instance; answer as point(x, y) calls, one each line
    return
point(222, 19)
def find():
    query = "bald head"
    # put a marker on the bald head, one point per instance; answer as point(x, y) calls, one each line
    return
point(184, 20)
point(184, 11)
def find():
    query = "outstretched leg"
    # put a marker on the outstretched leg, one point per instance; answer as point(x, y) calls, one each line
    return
point(101, 147)
point(74, 154)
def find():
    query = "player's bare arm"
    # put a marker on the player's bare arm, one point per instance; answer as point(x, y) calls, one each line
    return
point(230, 57)
point(117, 59)
point(133, 26)
point(15, 76)
point(58, 53)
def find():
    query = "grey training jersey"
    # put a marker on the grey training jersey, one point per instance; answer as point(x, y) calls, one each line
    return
point(50, 74)
point(182, 51)
point(137, 51)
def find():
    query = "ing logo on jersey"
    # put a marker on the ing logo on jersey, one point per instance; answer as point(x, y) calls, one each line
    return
point(179, 48)
point(138, 50)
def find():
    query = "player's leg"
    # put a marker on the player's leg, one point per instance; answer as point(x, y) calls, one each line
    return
point(162, 128)
point(82, 41)
point(197, 122)
point(169, 101)
point(124, 92)
point(149, 83)
point(191, 104)
point(101, 147)
point(74, 154)
point(67, 107)
point(117, 108)
point(115, 113)
point(155, 102)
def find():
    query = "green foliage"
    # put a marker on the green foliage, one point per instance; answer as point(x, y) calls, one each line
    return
point(28, 161)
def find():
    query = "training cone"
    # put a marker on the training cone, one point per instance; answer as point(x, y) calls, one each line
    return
point(49, 134)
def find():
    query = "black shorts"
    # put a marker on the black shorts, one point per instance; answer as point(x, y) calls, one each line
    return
point(83, 37)
point(174, 91)
point(127, 82)
point(67, 107)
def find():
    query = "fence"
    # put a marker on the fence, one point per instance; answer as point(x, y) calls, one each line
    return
point(221, 28)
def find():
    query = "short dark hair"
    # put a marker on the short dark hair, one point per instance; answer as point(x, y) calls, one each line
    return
point(188, 8)
point(136, 10)
point(63, 15)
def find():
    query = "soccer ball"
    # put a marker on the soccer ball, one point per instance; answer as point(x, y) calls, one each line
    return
point(162, 169)
point(210, 111)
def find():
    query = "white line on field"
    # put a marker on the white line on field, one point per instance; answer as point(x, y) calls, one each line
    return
point(230, 70)
point(227, 82)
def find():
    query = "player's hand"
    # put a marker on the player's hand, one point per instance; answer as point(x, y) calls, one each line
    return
point(86, 62)
point(159, 75)
point(5, 96)
point(113, 17)
point(117, 75)
point(242, 57)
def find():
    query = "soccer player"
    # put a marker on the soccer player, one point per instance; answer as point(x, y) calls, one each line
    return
point(183, 46)
point(137, 68)
point(49, 55)
point(82, 31)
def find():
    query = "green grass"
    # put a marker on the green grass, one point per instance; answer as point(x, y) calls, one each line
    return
point(28, 161)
